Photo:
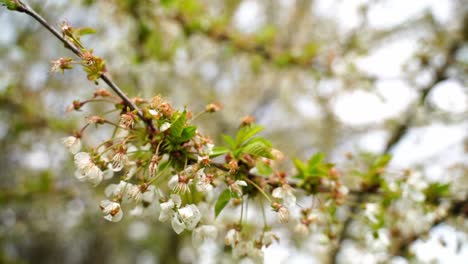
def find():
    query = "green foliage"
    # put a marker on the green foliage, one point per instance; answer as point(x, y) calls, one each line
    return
point(218, 151)
point(10, 4)
point(246, 143)
point(258, 147)
point(222, 201)
point(372, 177)
point(266, 35)
point(85, 31)
point(311, 172)
point(263, 169)
point(436, 191)
point(178, 124)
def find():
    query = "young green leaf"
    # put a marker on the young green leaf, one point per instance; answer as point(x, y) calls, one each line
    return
point(230, 141)
point(246, 133)
point(85, 31)
point(187, 133)
point(258, 149)
point(263, 169)
point(315, 160)
point(177, 126)
point(218, 151)
point(223, 200)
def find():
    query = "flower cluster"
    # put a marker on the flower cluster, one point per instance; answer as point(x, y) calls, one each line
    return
point(156, 156)
point(172, 167)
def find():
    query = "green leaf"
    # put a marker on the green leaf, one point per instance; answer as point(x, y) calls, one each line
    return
point(230, 141)
point(258, 149)
point(10, 4)
point(259, 139)
point(382, 161)
point(301, 168)
point(188, 133)
point(223, 200)
point(246, 133)
point(437, 190)
point(164, 165)
point(218, 151)
point(315, 160)
point(85, 31)
point(167, 3)
point(177, 126)
point(263, 169)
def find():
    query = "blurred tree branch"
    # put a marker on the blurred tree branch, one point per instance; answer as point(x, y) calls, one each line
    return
point(456, 209)
point(397, 135)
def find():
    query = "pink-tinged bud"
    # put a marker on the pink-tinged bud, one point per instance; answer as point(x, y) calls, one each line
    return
point(96, 120)
point(214, 107)
point(247, 120)
point(101, 92)
point(75, 106)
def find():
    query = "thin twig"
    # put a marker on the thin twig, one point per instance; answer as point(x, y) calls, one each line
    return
point(29, 11)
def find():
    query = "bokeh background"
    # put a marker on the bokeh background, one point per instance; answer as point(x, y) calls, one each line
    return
point(342, 77)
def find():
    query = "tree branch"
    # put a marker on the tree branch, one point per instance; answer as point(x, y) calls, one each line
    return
point(247, 45)
point(457, 208)
point(24, 8)
point(395, 138)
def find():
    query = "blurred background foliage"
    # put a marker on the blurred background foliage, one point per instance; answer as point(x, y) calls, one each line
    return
point(314, 77)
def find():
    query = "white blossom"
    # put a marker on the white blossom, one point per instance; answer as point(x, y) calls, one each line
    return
point(108, 174)
point(111, 210)
point(208, 148)
point(137, 211)
point(283, 214)
point(186, 217)
point(247, 249)
point(190, 215)
point(268, 238)
point(285, 193)
point(203, 182)
point(73, 144)
point(165, 126)
point(167, 208)
point(115, 189)
point(178, 185)
point(83, 161)
point(133, 192)
point(87, 170)
point(153, 112)
point(301, 229)
point(177, 224)
point(237, 187)
point(133, 169)
point(119, 161)
point(203, 232)
point(371, 211)
point(172, 183)
point(414, 187)
point(232, 237)
point(149, 195)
